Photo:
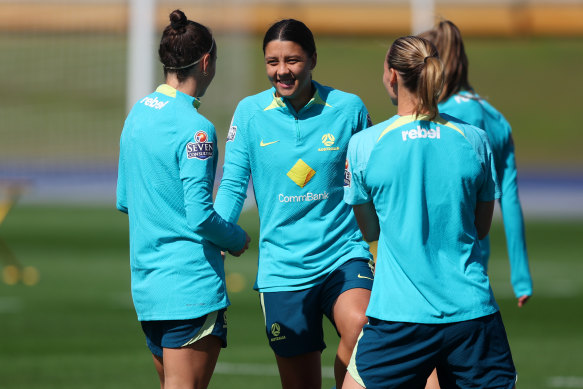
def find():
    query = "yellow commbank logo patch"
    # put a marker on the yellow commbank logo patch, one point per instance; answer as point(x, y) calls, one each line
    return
point(301, 173)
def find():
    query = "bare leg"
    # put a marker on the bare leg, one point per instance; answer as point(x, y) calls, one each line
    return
point(300, 372)
point(191, 366)
point(159, 364)
point(432, 381)
point(350, 383)
point(350, 316)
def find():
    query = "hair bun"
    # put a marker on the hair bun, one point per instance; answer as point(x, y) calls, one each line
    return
point(178, 20)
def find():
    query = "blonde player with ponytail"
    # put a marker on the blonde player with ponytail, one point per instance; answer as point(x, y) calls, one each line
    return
point(424, 185)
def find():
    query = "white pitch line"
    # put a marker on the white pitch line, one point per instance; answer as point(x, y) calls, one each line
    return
point(258, 369)
point(565, 382)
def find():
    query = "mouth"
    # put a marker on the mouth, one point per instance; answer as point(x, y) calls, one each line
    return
point(286, 83)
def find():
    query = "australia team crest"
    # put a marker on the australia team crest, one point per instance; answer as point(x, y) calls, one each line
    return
point(201, 148)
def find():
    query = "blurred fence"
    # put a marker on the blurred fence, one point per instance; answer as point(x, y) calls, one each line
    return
point(474, 17)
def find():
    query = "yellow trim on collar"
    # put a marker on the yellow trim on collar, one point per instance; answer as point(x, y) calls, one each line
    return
point(278, 102)
point(169, 91)
point(166, 90)
point(411, 118)
point(318, 100)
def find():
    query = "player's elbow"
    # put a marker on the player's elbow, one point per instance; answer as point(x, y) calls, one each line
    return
point(367, 220)
point(197, 225)
point(483, 220)
point(483, 233)
point(121, 207)
point(370, 235)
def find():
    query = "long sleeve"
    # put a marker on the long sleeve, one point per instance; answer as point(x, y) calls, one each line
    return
point(514, 225)
point(121, 195)
point(197, 172)
point(236, 171)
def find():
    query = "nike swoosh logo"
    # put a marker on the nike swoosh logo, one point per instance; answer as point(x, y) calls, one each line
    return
point(267, 144)
point(359, 276)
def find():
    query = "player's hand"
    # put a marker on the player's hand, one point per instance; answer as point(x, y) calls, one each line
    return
point(238, 253)
point(223, 255)
point(522, 300)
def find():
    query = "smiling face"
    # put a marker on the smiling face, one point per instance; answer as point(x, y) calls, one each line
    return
point(289, 69)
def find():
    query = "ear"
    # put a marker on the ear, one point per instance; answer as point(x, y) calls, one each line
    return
point(205, 63)
point(392, 77)
point(314, 60)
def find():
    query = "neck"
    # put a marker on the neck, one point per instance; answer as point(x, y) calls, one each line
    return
point(188, 86)
point(300, 101)
point(407, 103)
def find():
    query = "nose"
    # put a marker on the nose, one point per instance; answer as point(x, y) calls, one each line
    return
point(282, 68)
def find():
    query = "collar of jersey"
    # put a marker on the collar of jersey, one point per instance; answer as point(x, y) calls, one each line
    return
point(279, 102)
point(169, 91)
point(403, 120)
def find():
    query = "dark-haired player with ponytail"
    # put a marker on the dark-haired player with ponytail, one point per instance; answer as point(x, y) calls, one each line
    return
point(168, 157)
point(424, 185)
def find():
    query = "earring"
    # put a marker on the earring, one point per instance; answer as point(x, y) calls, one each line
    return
point(204, 74)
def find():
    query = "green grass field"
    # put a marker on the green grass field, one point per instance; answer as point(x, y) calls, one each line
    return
point(76, 328)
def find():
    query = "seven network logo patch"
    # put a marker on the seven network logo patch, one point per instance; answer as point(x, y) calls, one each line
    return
point(201, 149)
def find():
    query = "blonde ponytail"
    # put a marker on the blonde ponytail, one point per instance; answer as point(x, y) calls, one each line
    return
point(421, 70)
point(430, 85)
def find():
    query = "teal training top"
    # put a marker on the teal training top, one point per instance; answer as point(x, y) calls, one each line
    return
point(296, 160)
point(168, 157)
point(473, 109)
point(425, 179)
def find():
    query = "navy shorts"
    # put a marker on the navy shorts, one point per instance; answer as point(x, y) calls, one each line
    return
point(181, 333)
point(293, 320)
point(468, 354)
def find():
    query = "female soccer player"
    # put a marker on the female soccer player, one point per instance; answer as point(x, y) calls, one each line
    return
point(424, 185)
point(168, 156)
point(459, 99)
point(313, 261)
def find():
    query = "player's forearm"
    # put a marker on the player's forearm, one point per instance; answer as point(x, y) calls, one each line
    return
point(516, 244)
point(205, 222)
point(228, 236)
point(232, 193)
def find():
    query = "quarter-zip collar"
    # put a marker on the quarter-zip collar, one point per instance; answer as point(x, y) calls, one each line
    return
point(280, 102)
